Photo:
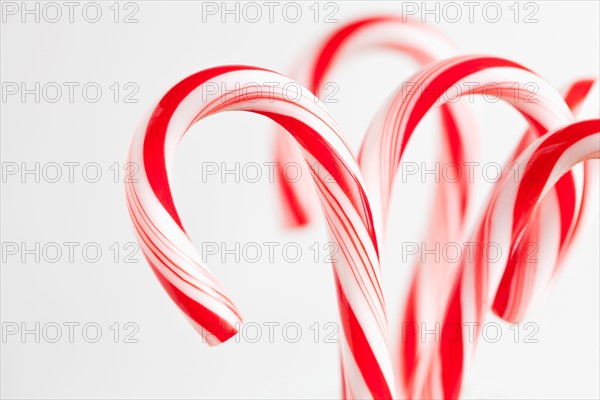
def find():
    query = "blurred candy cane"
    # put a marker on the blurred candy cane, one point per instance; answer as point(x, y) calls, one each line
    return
point(381, 155)
point(366, 360)
point(424, 45)
point(404, 35)
point(510, 209)
point(521, 281)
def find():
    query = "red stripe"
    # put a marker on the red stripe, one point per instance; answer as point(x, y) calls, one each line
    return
point(578, 91)
point(361, 350)
point(409, 358)
point(299, 213)
point(451, 351)
point(210, 321)
point(508, 278)
point(154, 141)
point(456, 150)
point(565, 189)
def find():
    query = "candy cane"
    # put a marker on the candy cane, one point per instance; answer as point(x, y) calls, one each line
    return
point(520, 281)
point(404, 35)
point(424, 45)
point(381, 154)
point(367, 366)
point(511, 207)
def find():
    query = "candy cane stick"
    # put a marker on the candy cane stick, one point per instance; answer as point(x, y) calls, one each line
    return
point(521, 281)
point(521, 296)
point(511, 207)
point(366, 360)
point(381, 154)
point(404, 35)
point(424, 45)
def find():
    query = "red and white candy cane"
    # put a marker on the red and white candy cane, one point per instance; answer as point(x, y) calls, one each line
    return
point(520, 281)
point(406, 36)
point(381, 154)
point(511, 208)
point(423, 44)
point(366, 360)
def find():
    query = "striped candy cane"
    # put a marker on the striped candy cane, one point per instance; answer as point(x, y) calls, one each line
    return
point(511, 208)
point(520, 281)
point(367, 366)
point(403, 35)
point(381, 154)
point(424, 45)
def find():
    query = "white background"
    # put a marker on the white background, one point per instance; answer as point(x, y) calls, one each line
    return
point(169, 42)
